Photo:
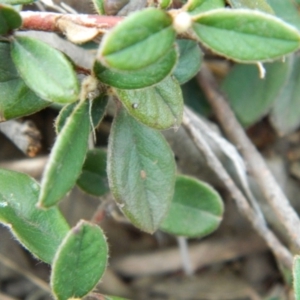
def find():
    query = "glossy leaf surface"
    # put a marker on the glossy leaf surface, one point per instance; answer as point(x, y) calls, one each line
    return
point(67, 157)
point(190, 59)
point(141, 171)
point(198, 6)
point(285, 115)
point(244, 35)
point(139, 41)
point(159, 106)
point(16, 99)
point(93, 179)
point(261, 5)
point(40, 231)
point(250, 96)
point(79, 262)
point(140, 78)
point(45, 70)
point(9, 19)
point(196, 209)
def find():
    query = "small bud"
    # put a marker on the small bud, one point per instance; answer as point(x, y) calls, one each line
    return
point(182, 22)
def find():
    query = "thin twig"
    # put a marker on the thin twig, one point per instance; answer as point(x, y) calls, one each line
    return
point(6, 297)
point(281, 253)
point(185, 256)
point(34, 279)
point(255, 163)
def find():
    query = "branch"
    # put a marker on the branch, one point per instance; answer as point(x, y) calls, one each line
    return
point(281, 253)
point(78, 28)
point(255, 163)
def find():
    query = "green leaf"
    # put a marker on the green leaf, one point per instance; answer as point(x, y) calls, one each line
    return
point(141, 78)
point(164, 4)
point(15, 2)
point(40, 231)
point(198, 6)
point(99, 6)
point(160, 106)
point(139, 41)
point(249, 95)
point(296, 275)
point(45, 70)
point(287, 11)
point(141, 171)
point(97, 112)
point(9, 19)
point(261, 5)
point(16, 99)
point(190, 59)
point(67, 157)
point(244, 35)
point(93, 179)
point(79, 262)
point(196, 209)
point(285, 115)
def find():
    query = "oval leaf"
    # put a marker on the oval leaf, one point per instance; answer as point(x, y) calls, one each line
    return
point(244, 35)
point(137, 42)
point(141, 171)
point(45, 70)
point(285, 114)
point(79, 262)
point(160, 106)
point(261, 5)
point(196, 209)
point(16, 99)
point(9, 19)
point(250, 96)
point(141, 78)
point(198, 6)
point(190, 59)
point(93, 179)
point(67, 157)
point(40, 231)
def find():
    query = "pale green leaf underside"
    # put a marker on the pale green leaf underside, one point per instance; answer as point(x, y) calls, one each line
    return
point(141, 171)
point(45, 70)
point(159, 106)
point(79, 262)
point(245, 35)
point(40, 231)
point(196, 209)
point(261, 5)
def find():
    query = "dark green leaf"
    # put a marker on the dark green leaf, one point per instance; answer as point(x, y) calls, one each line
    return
point(97, 112)
point(287, 11)
point(141, 78)
point(261, 5)
point(196, 209)
point(199, 6)
point(159, 106)
point(40, 231)
point(250, 96)
point(67, 157)
point(190, 59)
point(285, 115)
point(45, 70)
point(139, 41)
point(93, 179)
point(79, 262)
point(296, 275)
point(245, 35)
point(16, 99)
point(141, 171)
point(9, 19)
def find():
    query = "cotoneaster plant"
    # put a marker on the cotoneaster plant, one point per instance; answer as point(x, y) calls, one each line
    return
point(142, 61)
